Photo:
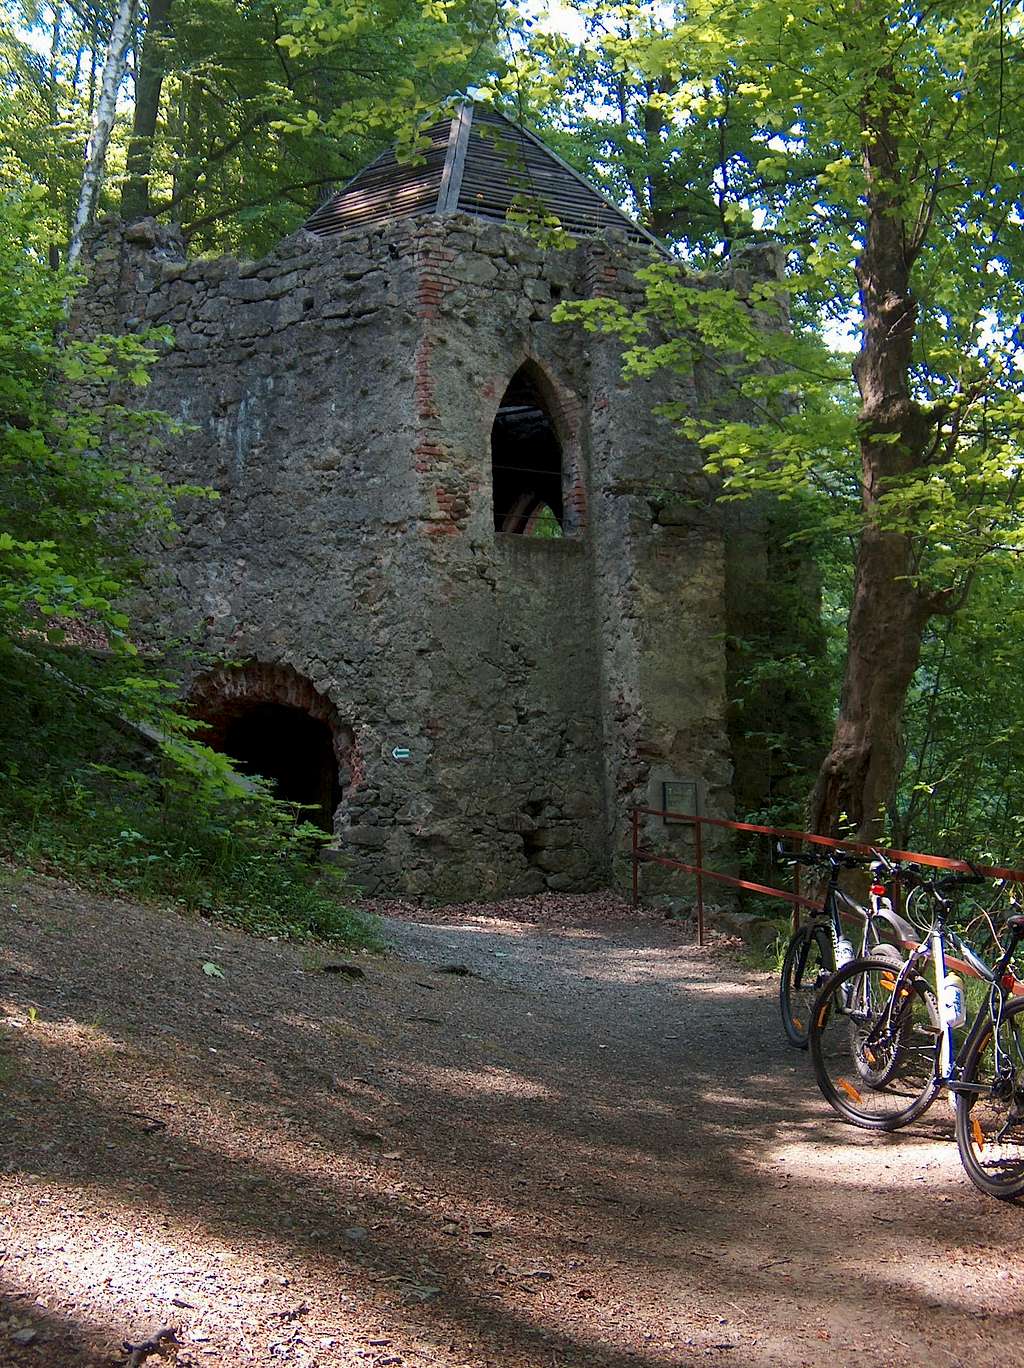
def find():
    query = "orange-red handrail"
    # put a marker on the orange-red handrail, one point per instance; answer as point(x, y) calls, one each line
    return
point(640, 856)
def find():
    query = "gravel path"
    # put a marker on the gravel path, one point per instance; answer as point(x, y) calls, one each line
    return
point(592, 1148)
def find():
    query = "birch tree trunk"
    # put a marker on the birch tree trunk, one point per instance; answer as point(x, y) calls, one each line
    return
point(102, 124)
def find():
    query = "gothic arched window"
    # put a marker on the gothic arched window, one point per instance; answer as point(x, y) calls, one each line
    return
point(526, 462)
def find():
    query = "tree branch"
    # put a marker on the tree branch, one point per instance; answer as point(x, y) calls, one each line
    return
point(228, 210)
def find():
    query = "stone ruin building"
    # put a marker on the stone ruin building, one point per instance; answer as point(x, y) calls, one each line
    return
point(468, 592)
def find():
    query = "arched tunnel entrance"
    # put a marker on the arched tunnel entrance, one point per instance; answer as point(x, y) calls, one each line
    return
point(273, 723)
point(294, 751)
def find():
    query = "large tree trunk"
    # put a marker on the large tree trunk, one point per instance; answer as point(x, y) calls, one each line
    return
point(889, 611)
point(887, 621)
point(152, 69)
point(102, 124)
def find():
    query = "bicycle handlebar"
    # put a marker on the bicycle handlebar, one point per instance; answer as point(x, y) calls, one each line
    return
point(881, 865)
point(845, 859)
point(938, 887)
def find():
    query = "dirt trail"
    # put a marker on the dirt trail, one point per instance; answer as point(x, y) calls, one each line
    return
point(594, 1148)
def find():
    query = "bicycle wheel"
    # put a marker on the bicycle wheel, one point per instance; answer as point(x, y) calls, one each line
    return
point(990, 1125)
point(874, 1057)
point(807, 964)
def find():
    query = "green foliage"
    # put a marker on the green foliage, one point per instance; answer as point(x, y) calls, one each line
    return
point(84, 793)
point(611, 105)
point(259, 106)
point(797, 95)
point(768, 950)
point(266, 105)
point(546, 526)
point(876, 143)
point(962, 788)
point(76, 499)
point(781, 671)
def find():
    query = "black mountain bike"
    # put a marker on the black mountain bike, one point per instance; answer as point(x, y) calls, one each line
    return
point(819, 946)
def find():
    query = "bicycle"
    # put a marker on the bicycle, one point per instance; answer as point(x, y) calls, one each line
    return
point(818, 946)
point(883, 1047)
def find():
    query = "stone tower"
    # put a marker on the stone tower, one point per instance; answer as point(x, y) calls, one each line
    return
point(465, 586)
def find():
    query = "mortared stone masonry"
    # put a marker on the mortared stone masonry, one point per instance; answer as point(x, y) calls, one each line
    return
point(496, 701)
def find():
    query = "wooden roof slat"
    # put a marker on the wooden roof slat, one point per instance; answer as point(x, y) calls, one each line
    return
point(479, 162)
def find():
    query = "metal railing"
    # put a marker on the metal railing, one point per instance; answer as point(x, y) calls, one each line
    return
point(639, 855)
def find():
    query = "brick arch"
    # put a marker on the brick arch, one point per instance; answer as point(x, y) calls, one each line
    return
point(562, 409)
point(223, 698)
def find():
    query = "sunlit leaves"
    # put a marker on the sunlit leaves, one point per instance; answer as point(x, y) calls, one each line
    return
point(76, 502)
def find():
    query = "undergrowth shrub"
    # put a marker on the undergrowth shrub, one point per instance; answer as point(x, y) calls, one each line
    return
point(89, 790)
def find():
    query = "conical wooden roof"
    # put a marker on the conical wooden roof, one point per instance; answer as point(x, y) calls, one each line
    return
point(479, 162)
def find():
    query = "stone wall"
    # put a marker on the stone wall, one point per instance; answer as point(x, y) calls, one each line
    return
point(339, 398)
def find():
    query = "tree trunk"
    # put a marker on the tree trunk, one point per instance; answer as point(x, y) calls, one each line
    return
point(889, 611)
point(152, 69)
point(102, 125)
point(887, 620)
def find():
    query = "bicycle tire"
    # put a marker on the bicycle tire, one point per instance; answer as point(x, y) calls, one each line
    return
point(992, 1154)
point(874, 1061)
point(808, 962)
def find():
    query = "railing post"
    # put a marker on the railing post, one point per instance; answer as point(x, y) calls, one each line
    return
point(698, 850)
point(796, 890)
point(636, 862)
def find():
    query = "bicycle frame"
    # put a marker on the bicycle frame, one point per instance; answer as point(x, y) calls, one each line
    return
point(933, 948)
point(879, 910)
point(821, 945)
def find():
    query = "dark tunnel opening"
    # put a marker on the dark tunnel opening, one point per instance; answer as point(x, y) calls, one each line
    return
point(291, 749)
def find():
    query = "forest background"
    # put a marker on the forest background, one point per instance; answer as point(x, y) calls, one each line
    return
point(872, 142)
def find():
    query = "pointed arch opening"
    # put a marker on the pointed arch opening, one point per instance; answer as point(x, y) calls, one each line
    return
point(527, 462)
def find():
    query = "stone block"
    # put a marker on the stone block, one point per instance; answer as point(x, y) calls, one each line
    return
point(294, 308)
point(365, 837)
point(283, 284)
point(250, 289)
point(253, 320)
point(472, 270)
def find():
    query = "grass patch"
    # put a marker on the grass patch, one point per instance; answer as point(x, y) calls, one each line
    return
point(769, 950)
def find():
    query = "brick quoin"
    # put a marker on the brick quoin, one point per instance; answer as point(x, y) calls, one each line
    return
point(577, 496)
point(430, 453)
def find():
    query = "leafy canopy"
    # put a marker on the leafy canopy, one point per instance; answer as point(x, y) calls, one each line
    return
point(261, 105)
point(811, 85)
